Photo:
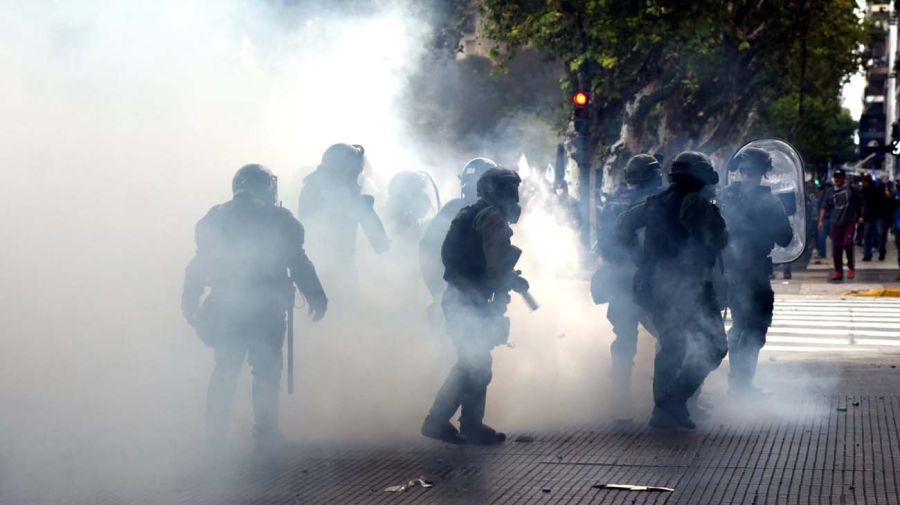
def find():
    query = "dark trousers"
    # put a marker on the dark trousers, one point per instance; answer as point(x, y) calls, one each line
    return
point(873, 239)
point(752, 304)
point(625, 316)
point(842, 242)
point(821, 236)
point(259, 342)
point(690, 345)
point(475, 330)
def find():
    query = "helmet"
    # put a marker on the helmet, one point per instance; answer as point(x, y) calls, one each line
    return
point(500, 186)
point(471, 172)
point(752, 156)
point(344, 159)
point(257, 181)
point(408, 194)
point(406, 183)
point(694, 166)
point(642, 169)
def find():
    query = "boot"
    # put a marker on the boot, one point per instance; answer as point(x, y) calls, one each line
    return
point(482, 434)
point(670, 416)
point(442, 431)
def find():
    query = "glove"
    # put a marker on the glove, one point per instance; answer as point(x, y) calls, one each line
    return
point(318, 305)
point(518, 283)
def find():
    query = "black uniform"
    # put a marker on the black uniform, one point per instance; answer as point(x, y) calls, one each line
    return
point(430, 246)
point(614, 283)
point(479, 260)
point(756, 221)
point(684, 234)
point(249, 255)
point(333, 209)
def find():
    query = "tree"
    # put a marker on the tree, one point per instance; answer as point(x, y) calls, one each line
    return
point(667, 75)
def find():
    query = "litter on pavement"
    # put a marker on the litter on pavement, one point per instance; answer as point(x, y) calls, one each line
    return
point(411, 484)
point(633, 487)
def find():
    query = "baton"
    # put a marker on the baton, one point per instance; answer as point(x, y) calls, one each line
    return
point(290, 350)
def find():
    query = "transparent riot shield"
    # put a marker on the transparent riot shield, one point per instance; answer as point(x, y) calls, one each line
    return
point(787, 183)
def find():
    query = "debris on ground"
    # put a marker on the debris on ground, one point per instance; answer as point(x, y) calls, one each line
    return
point(634, 487)
point(421, 482)
point(524, 439)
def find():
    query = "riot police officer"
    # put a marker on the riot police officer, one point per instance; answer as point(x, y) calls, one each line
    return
point(249, 255)
point(478, 257)
point(407, 205)
point(436, 231)
point(684, 235)
point(333, 207)
point(613, 281)
point(756, 221)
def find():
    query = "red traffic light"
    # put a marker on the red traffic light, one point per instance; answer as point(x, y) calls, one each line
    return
point(580, 99)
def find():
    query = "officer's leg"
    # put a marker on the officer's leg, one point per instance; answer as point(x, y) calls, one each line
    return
point(229, 356)
point(265, 358)
point(707, 346)
point(447, 400)
point(624, 317)
point(670, 349)
point(475, 366)
point(459, 325)
point(756, 339)
point(737, 335)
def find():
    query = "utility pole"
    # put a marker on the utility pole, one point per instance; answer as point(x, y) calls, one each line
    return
point(890, 102)
point(583, 154)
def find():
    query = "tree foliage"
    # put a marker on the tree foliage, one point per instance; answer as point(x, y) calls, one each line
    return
point(668, 75)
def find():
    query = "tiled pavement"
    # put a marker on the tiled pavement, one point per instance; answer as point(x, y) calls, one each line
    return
point(837, 444)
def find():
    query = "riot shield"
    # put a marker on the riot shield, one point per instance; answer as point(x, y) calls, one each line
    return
point(787, 183)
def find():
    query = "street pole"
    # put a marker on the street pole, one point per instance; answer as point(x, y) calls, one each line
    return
point(890, 161)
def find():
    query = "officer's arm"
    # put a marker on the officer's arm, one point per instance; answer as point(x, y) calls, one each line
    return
point(196, 275)
point(784, 234)
point(629, 223)
point(303, 273)
point(371, 224)
point(430, 253)
point(495, 234)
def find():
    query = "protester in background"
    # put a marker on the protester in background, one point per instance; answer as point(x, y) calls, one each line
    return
point(873, 218)
point(822, 232)
point(844, 203)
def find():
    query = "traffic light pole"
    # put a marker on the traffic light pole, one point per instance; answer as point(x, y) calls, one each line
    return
point(583, 155)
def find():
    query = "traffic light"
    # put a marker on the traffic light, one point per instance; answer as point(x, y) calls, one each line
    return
point(581, 100)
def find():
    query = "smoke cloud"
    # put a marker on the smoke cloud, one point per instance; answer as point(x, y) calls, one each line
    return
point(124, 123)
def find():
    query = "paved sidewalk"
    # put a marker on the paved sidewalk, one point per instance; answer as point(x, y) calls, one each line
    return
point(831, 435)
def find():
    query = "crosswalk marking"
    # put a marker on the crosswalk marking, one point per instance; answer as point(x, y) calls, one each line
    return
point(833, 324)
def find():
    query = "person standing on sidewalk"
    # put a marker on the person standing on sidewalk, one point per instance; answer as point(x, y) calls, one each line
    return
point(756, 222)
point(873, 214)
point(823, 231)
point(843, 203)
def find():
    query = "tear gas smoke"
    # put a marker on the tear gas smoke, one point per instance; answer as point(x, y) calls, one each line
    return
point(124, 122)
